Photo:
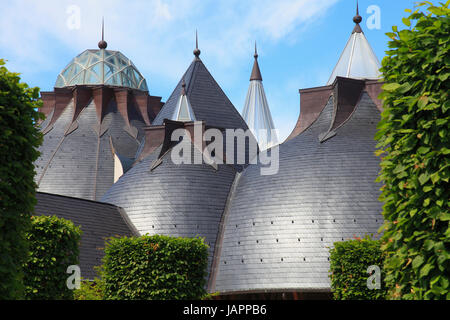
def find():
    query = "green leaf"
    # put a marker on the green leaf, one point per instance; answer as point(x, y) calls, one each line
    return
point(423, 178)
point(417, 262)
point(406, 21)
point(422, 102)
point(444, 216)
point(423, 150)
point(435, 177)
point(425, 270)
point(390, 86)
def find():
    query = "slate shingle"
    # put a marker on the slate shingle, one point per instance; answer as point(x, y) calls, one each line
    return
point(207, 100)
point(323, 192)
point(81, 164)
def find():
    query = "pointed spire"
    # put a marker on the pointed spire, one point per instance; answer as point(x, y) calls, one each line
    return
point(256, 112)
point(183, 110)
point(256, 73)
point(196, 50)
point(102, 43)
point(357, 61)
point(357, 19)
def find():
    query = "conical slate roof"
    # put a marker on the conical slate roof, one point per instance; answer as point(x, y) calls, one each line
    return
point(279, 228)
point(208, 101)
point(256, 110)
point(357, 61)
point(180, 200)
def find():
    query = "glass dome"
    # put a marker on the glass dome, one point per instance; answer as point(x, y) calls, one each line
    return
point(101, 67)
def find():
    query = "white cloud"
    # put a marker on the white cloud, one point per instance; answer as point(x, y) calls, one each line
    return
point(158, 35)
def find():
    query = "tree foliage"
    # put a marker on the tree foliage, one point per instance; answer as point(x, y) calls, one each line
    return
point(19, 139)
point(154, 268)
point(53, 244)
point(414, 138)
point(349, 261)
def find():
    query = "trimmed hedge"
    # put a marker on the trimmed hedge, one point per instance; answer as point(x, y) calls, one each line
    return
point(414, 137)
point(19, 139)
point(90, 290)
point(349, 261)
point(154, 268)
point(53, 246)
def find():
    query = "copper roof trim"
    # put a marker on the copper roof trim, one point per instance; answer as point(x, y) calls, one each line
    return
point(373, 89)
point(312, 102)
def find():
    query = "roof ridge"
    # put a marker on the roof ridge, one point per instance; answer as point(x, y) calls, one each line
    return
point(192, 76)
point(77, 198)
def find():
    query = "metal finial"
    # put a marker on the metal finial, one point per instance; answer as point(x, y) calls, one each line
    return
point(357, 19)
point(102, 43)
point(196, 50)
point(256, 73)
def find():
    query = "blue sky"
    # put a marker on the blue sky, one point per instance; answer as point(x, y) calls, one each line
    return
point(299, 41)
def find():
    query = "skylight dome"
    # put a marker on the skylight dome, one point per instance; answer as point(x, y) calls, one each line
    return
point(101, 67)
point(357, 61)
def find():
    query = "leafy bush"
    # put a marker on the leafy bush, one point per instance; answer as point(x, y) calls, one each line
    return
point(414, 138)
point(90, 290)
point(349, 261)
point(53, 246)
point(155, 268)
point(19, 139)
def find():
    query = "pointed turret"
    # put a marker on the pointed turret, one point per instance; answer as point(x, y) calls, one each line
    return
point(357, 61)
point(207, 100)
point(183, 111)
point(256, 110)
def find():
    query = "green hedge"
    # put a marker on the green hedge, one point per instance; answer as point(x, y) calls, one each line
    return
point(414, 137)
point(19, 139)
point(53, 246)
point(89, 290)
point(154, 267)
point(349, 261)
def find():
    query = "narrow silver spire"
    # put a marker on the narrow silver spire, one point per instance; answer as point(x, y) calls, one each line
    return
point(256, 110)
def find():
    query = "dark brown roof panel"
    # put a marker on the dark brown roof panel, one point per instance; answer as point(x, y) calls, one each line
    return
point(312, 102)
point(97, 220)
